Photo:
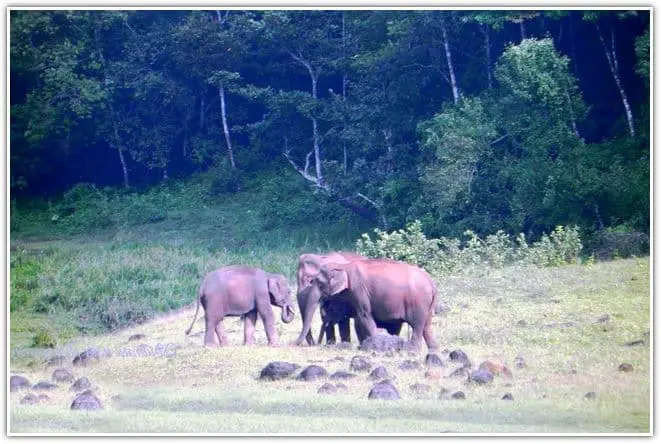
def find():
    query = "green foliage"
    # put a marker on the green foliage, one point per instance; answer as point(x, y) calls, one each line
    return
point(44, 338)
point(446, 255)
point(642, 47)
point(24, 279)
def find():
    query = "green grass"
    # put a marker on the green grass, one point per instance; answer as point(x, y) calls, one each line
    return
point(567, 351)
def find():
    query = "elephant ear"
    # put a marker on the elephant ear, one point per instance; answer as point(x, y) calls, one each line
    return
point(274, 288)
point(338, 279)
point(308, 269)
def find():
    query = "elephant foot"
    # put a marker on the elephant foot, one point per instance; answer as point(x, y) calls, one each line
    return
point(412, 347)
point(274, 344)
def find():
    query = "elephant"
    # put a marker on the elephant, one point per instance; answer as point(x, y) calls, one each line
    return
point(383, 290)
point(336, 311)
point(243, 291)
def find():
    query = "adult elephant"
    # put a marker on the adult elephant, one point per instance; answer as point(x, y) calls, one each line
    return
point(242, 291)
point(336, 311)
point(385, 290)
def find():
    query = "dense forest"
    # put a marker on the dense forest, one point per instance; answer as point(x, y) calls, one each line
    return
point(481, 120)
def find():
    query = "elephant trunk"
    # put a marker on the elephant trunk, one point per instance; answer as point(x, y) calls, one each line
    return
point(307, 314)
point(287, 313)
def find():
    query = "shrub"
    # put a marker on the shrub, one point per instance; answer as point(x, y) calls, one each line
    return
point(620, 241)
point(410, 245)
point(44, 338)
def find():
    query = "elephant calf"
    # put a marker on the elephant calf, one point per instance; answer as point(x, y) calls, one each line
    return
point(242, 291)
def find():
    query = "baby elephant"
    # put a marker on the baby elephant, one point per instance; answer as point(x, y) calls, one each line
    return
point(242, 291)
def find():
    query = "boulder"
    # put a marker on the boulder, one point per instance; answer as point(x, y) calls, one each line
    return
point(378, 373)
point(18, 382)
point(311, 373)
point(382, 342)
point(86, 401)
point(384, 390)
point(81, 384)
point(277, 370)
point(360, 364)
point(63, 375)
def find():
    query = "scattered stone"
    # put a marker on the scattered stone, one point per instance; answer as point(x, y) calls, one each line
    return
point(463, 306)
point(433, 360)
point(459, 395)
point(44, 385)
point(87, 401)
point(444, 394)
point(137, 337)
point(635, 343)
point(384, 390)
point(87, 357)
point(378, 373)
point(311, 373)
point(408, 365)
point(603, 319)
point(44, 397)
point(495, 368)
point(63, 375)
point(344, 346)
point(459, 356)
point(30, 399)
point(17, 382)
point(480, 376)
point(382, 342)
point(360, 364)
point(421, 391)
point(338, 358)
point(507, 397)
point(81, 384)
point(327, 388)
point(341, 386)
point(87, 392)
point(341, 374)
point(460, 372)
point(433, 374)
point(521, 323)
point(55, 361)
point(625, 367)
point(590, 395)
point(278, 370)
point(508, 385)
point(519, 362)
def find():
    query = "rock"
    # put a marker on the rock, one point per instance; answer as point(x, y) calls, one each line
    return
point(635, 343)
point(480, 376)
point(340, 374)
point(507, 397)
point(408, 365)
point(460, 372)
point(420, 391)
point(311, 373)
point(495, 368)
point(444, 394)
point(382, 342)
point(63, 375)
point(378, 373)
point(433, 374)
point(360, 364)
point(87, 392)
point(278, 370)
point(44, 397)
point(625, 367)
point(521, 323)
point(87, 357)
point(17, 382)
point(459, 356)
point(341, 387)
point(590, 395)
point(459, 395)
point(433, 360)
point(603, 319)
point(519, 362)
point(44, 385)
point(384, 390)
point(327, 388)
point(81, 384)
point(86, 401)
point(344, 346)
point(30, 399)
point(55, 361)
point(137, 337)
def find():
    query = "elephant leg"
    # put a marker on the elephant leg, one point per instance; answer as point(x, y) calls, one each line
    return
point(269, 327)
point(432, 345)
point(330, 333)
point(345, 329)
point(220, 333)
point(210, 331)
point(249, 319)
point(322, 332)
point(367, 321)
point(360, 331)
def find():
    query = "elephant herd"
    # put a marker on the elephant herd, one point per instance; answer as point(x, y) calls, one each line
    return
point(376, 293)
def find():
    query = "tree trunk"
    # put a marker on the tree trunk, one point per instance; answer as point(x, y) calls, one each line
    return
point(344, 95)
point(571, 114)
point(611, 56)
point(487, 44)
point(118, 145)
point(522, 27)
point(226, 130)
point(448, 57)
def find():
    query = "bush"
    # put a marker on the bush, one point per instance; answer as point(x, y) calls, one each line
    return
point(620, 241)
point(44, 338)
point(410, 245)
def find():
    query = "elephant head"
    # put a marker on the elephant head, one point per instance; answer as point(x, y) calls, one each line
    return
point(281, 297)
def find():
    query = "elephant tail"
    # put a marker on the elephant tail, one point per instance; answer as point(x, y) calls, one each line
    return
point(197, 309)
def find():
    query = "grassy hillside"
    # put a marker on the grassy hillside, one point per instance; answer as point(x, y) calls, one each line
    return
point(553, 319)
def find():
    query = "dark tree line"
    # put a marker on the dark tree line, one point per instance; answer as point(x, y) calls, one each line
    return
point(515, 120)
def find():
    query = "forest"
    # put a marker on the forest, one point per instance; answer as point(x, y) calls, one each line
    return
point(483, 120)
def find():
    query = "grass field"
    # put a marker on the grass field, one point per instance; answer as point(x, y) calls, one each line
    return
point(552, 318)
